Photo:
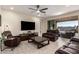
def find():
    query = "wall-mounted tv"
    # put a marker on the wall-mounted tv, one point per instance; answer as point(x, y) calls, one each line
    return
point(25, 25)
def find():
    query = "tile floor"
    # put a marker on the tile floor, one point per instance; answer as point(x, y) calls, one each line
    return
point(29, 48)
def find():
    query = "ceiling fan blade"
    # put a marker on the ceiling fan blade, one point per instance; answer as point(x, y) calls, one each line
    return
point(44, 9)
point(32, 9)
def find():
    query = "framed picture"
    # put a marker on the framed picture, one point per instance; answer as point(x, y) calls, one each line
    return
point(0, 20)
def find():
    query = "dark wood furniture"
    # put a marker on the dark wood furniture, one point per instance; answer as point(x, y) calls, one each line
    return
point(39, 41)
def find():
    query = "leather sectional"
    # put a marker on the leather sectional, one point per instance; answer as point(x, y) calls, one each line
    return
point(70, 48)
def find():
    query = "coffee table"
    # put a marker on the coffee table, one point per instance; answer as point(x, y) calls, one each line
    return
point(39, 41)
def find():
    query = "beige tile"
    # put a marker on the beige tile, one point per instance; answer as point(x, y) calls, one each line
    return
point(29, 48)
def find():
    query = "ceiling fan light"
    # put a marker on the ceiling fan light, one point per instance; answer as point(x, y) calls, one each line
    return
point(38, 11)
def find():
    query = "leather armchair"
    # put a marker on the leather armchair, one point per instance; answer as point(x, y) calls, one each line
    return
point(51, 34)
point(54, 32)
point(9, 40)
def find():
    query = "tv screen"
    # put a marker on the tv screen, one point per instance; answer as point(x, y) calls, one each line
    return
point(27, 25)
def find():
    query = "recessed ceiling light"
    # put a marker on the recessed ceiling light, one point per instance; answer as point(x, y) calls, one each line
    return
point(11, 8)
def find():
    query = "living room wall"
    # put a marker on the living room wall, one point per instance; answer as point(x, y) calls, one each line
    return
point(12, 20)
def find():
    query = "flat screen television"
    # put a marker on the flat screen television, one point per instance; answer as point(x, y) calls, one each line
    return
point(25, 25)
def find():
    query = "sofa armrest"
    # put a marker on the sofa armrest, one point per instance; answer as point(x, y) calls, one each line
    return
point(75, 39)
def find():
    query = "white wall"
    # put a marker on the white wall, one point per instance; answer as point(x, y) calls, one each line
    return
point(43, 26)
point(37, 23)
point(12, 19)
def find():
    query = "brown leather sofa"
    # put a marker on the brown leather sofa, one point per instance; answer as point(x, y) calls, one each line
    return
point(51, 34)
point(9, 40)
point(68, 35)
point(71, 48)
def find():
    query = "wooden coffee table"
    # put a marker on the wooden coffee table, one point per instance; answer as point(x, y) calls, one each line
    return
point(39, 41)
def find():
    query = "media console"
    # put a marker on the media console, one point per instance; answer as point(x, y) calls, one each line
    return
point(26, 36)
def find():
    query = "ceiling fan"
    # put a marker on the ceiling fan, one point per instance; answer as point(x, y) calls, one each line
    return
point(39, 10)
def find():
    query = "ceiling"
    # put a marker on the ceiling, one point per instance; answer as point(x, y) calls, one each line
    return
point(52, 9)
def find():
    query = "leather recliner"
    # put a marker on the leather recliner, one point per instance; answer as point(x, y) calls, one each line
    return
point(9, 40)
point(66, 50)
point(51, 34)
point(70, 48)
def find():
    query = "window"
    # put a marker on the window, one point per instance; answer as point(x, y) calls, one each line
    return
point(67, 24)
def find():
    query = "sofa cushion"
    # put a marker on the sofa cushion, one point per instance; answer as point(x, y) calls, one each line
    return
point(66, 50)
